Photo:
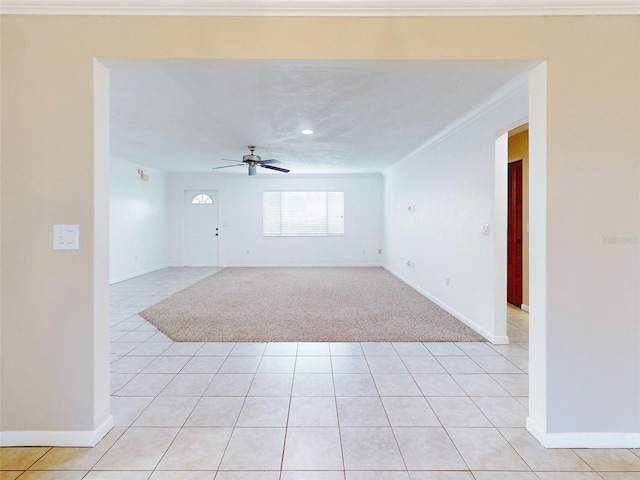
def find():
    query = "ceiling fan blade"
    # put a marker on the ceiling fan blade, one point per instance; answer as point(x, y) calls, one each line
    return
point(284, 170)
point(271, 160)
point(229, 160)
point(227, 166)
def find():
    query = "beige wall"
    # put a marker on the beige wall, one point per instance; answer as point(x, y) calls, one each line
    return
point(50, 340)
point(0, 223)
point(519, 150)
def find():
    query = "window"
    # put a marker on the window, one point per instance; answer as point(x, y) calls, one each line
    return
point(303, 214)
point(202, 198)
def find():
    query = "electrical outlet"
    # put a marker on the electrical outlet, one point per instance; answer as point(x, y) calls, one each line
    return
point(446, 281)
point(364, 252)
point(379, 251)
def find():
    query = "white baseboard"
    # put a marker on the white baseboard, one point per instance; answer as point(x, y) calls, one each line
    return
point(137, 274)
point(524, 307)
point(495, 339)
point(584, 439)
point(25, 438)
point(301, 265)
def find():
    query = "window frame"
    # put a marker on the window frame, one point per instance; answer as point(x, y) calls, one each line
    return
point(328, 219)
point(207, 199)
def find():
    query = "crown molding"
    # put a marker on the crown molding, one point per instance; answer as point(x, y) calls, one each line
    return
point(340, 8)
point(516, 86)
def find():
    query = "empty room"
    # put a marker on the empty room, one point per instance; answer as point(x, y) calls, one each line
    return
point(270, 168)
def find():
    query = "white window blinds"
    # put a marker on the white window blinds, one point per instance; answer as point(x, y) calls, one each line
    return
point(303, 214)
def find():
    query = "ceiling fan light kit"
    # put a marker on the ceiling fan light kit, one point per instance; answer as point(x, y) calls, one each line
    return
point(252, 161)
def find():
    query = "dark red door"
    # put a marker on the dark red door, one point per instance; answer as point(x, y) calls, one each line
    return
point(514, 234)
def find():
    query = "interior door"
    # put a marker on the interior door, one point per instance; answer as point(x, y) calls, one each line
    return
point(200, 243)
point(514, 234)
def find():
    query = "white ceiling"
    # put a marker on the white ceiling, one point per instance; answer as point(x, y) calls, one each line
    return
point(185, 115)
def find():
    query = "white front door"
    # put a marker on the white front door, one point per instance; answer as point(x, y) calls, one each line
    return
point(200, 244)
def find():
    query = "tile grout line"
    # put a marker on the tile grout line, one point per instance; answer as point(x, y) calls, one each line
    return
point(333, 383)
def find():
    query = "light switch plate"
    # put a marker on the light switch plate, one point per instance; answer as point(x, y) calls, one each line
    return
point(66, 237)
point(486, 229)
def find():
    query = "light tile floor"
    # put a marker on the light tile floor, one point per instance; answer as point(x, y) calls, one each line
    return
point(311, 411)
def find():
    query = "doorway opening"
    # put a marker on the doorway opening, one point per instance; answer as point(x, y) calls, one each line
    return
point(518, 218)
point(538, 117)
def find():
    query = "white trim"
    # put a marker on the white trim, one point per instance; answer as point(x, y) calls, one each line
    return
point(300, 265)
point(536, 431)
point(524, 307)
point(538, 344)
point(499, 241)
point(506, 92)
point(343, 8)
point(584, 439)
point(28, 438)
point(134, 275)
point(495, 339)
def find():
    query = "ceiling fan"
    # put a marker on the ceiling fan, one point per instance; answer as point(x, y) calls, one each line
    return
point(252, 160)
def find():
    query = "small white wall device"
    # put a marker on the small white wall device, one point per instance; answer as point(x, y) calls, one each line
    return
point(66, 237)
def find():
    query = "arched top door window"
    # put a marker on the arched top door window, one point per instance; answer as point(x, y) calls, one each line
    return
point(202, 199)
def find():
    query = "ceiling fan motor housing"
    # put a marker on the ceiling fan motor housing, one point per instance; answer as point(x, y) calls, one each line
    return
point(251, 158)
point(252, 161)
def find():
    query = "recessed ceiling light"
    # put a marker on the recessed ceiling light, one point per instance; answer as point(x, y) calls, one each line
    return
point(307, 132)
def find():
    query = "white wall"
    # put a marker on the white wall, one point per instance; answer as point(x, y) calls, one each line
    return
point(102, 419)
point(537, 419)
point(240, 219)
point(139, 220)
point(451, 183)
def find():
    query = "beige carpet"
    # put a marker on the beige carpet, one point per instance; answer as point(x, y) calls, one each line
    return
point(306, 305)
